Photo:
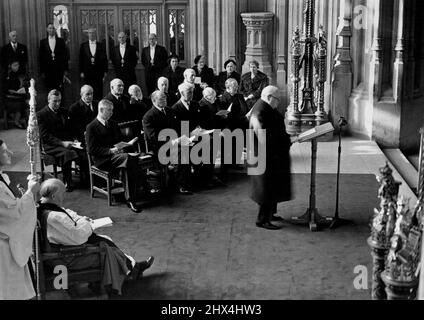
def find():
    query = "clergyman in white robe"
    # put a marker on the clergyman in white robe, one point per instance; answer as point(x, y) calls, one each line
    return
point(17, 224)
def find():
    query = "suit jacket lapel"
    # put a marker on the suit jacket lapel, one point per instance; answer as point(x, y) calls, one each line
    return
point(87, 49)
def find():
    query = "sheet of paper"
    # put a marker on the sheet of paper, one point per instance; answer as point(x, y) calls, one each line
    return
point(101, 223)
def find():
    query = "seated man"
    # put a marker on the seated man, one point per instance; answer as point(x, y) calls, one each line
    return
point(64, 227)
point(102, 135)
point(185, 110)
point(121, 103)
point(82, 112)
point(57, 138)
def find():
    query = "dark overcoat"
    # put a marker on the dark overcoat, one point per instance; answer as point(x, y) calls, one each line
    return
point(274, 185)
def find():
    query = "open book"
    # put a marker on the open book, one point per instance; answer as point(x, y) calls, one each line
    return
point(101, 223)
point(221, 113)
point(316, 132)
point(122, 145)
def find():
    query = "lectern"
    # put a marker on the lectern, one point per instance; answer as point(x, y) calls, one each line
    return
point(312, 217)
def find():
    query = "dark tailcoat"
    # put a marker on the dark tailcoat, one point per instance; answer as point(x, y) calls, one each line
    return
point(81, 115)
point(224, 76)
point(94, 67)
point(153, 71)
point(121, 107)
point(54, 64)
point(274, 185)
point(154, 122)
point(8, 55)
point(125, 71)
point(175, 79)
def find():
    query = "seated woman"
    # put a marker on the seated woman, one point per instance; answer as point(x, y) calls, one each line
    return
point(230, 67)
point(252, 84)
point(64, 227)
point(175, 75)
point(204, 77)
point(17, 225)
point(16, 94)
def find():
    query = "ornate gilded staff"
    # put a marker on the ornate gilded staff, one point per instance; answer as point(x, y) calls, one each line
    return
point(33, 140)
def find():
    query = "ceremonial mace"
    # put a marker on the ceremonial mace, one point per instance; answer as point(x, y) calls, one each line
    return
point(33, 140)
point(337, 221)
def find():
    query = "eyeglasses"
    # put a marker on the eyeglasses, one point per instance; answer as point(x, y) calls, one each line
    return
point(278, 99)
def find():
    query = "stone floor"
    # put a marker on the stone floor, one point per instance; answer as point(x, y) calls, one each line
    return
point(207, 247)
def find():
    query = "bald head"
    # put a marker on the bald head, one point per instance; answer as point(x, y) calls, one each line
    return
point(271, 96)
point(53, 191)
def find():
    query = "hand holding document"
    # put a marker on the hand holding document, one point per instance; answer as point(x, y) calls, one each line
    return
point(123, 145)
point(198, 80)
point(101, 223)
point(77, 145)
point(224, 113)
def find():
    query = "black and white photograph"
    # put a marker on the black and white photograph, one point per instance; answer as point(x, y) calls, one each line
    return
point(212, 157)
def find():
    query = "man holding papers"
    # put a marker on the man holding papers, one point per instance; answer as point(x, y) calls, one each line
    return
point(64, 227)
point(103, 144)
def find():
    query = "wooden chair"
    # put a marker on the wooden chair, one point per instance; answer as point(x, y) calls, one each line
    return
point(48, 160)
point(110, 180)
point(59, 257)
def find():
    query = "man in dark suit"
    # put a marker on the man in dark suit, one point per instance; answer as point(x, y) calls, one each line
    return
point(14, 51)
point(154, 59)
point(121, 102)
point(270, 177)
point(54, 60)
point(57, 138)
point(124, 60)
point(185, 110)
point(158, 118)
point(93, 63)
point(82, 112)
point(102, 135)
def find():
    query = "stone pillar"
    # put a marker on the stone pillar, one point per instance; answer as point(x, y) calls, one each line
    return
point(399, 64)
point(282, 50)
point(341, 82)
point(257, 26)
point(376, 65)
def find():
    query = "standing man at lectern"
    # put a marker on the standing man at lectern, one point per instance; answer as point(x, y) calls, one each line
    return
point(274, 185)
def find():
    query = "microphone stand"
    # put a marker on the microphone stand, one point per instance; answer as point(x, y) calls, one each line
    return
point(337, 221)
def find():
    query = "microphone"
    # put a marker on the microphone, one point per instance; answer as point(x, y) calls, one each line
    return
point(342, 122)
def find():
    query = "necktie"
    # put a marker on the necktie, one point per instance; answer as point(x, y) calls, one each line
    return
point(163, 111)
point(14, 46)
point(107, 124)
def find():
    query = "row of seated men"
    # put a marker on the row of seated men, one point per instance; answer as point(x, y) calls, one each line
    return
point(93, 68)
point(96, 123)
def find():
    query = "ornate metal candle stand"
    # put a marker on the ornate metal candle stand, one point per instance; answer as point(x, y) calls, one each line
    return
point(382, 228)
point(309, 111)
point(400, 276)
